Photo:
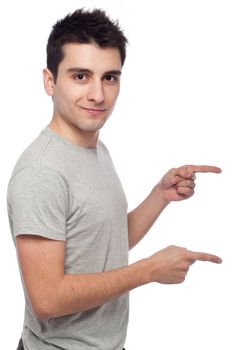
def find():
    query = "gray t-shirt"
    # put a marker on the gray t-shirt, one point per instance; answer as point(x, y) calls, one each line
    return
point(65, 192)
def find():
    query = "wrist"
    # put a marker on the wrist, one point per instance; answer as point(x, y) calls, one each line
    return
point(143, 271)
point(158, 193)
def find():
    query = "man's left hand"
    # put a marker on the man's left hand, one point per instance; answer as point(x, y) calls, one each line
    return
point(178, 183)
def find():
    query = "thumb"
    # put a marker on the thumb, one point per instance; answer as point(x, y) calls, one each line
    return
point(169, 179)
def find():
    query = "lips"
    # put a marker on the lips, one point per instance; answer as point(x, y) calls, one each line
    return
point(93, 110)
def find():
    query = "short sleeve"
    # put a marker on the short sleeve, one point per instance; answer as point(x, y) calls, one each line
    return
point(38, 203)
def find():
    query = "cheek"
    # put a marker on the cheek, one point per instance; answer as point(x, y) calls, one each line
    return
point(113, 95)
point(62, 103)
point(66, 96)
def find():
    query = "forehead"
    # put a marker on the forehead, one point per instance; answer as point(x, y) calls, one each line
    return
point(90, 56)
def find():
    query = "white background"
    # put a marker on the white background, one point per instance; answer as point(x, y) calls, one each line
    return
point(175, 108)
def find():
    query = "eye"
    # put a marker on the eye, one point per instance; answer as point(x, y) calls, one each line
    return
point(111, 78)
point(80, 76)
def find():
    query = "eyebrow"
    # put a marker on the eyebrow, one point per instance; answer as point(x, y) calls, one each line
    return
point(89, 71)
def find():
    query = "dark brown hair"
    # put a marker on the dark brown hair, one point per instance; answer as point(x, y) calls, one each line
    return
point(84, 26)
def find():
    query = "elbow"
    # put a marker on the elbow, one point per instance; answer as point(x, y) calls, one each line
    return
point(44, 300)
point(41, 316)
point(44, 308)
point(42, 311)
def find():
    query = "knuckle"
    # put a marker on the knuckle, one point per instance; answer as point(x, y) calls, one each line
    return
point(186, 166)
point(191, 183)
point(190, 191)
point(182, 251)
point(173, 171)
point(185, 268)
point(180, 279)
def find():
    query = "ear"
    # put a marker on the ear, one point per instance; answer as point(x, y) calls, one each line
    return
point(48, 81)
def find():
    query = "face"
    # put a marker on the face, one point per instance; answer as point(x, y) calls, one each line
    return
point(86, 88)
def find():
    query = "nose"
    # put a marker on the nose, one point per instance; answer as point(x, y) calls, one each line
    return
point(95, 92)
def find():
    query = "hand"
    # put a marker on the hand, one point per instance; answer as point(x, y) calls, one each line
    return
point(170, 265)
point(178, 183)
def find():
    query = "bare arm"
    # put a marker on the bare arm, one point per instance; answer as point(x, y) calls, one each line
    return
point(143, 217)
point(177, 184)
point(52, 293)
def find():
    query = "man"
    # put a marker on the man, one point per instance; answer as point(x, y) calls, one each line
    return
point(67, 209)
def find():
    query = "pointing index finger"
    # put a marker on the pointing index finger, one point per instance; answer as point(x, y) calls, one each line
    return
point(203, 169)
point(205, 257)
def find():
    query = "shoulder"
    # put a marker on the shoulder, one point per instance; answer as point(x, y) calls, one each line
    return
point(37, 183)
point(45, 155)
point(32, 155)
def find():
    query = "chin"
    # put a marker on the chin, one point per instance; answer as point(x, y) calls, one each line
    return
point(94, 125)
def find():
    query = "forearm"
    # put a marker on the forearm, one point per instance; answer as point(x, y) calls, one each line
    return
point(143, 217)
point(76, 293)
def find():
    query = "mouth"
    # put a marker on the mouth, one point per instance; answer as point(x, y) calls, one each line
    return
point(94, 110)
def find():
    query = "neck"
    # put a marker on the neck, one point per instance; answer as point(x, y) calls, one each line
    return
point(74, 135)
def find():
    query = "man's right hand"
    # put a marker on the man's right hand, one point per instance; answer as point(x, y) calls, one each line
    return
point(170, 265)
point(54, 293)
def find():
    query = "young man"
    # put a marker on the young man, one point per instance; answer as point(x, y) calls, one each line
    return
point(67, 209)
